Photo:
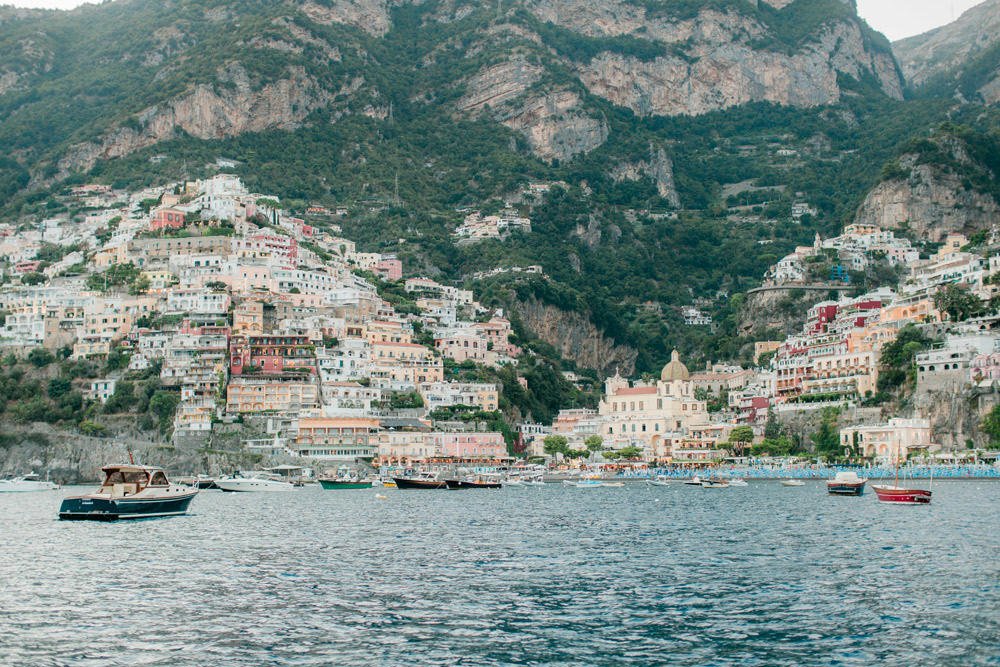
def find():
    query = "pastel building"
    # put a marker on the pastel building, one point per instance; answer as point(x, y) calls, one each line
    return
point(888, 443)
point(337, 438)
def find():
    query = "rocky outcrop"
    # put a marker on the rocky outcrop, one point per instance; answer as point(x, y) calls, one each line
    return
point(372, 16)
point(717, 59)
point(943, 51)
point(718, 75)
point(659, 168)
point(932, 201)
point(576, 338)
point(233, 107)
point(553, 123)
point(556, 127)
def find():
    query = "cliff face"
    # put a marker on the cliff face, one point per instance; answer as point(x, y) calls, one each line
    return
point(576, 338)
point(945, 52)
point(931, 200)
point(717, 59)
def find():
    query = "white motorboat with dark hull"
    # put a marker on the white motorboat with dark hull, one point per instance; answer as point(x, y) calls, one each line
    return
point(129, 492)
point(26, 483)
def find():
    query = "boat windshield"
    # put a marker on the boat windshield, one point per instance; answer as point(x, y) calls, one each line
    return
point(159, 479)
point(126, 477)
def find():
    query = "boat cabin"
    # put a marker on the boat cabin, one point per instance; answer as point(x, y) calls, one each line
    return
point(128, 480)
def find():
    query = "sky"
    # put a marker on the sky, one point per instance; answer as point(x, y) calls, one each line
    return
point(894, 18)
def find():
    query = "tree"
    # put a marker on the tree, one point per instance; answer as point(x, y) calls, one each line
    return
point(630, 452)
point(40, 357)
point(739, 438)
point(33, 278)
point(555, 444)
point(772, 427)
point(94, 429)
point(958, 301)
point(59, 387)
point(991, 426)
point(163, 404)
point(827, 437)
point(593, 443)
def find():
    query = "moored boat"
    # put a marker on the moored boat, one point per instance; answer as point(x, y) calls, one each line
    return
point(694, 481)
point(477, 483)
point(901, 495)
point(422, 482)
point(737, 481)
point(25, 483)
point(258, 483)
point(846, 483)
point(792, 482)
point(129, 492)
point(588, 484)
point(715, 483)
point(660, 480)
point(340, 483)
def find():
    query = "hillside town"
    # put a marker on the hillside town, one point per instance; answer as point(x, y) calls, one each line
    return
point(257, 319)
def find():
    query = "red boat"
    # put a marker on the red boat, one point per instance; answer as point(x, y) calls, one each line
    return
point(898, 494)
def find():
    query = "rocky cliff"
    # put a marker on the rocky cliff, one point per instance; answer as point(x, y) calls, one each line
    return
point(932, 195)
point(576, 338)
point(231, 107)
point(947, 53)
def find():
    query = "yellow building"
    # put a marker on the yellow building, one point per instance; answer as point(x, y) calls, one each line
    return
point(261, 393)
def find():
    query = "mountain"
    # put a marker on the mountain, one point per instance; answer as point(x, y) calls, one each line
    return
point(962, 57)
point(672, 138)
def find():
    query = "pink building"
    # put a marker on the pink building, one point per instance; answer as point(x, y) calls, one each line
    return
point(389, 268)
point(29, 266)
point(166, 218)
point(985, 368)
point(468, 445)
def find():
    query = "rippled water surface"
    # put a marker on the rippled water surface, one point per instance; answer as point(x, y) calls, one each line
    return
point(764, 575)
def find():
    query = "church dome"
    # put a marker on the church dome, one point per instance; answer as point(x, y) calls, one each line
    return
point(675, 370)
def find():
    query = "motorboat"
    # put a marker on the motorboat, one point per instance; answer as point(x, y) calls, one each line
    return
point(660, 480)
point(890, 493)
point(534, 482)
point(714, 483)
point(129, 491)
point(846, 483)
point(29, 482)
point(694, 481)
point(792, 482)
point(259, 482)
point(423, 481)
point(588, 484)
point(613, 485)
point(513, 481)
point(738, 481)
point(472, 483)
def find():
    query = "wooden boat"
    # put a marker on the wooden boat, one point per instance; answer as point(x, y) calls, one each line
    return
point(129, 491)
point(846, 483)
point(694, 481)
point(340, 483)
point(419, 483)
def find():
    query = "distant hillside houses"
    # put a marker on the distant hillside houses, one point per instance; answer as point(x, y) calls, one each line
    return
point(477, 227)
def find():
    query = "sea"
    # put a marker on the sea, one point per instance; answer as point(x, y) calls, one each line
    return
point(554, 575)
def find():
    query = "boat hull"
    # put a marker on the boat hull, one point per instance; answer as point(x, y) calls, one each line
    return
point(900, 496)
point(19, 486)
point(845, 488)
point(251, 485)
point(90, 508)
point(404, 483)
point(461, 484)
point(335, 484)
